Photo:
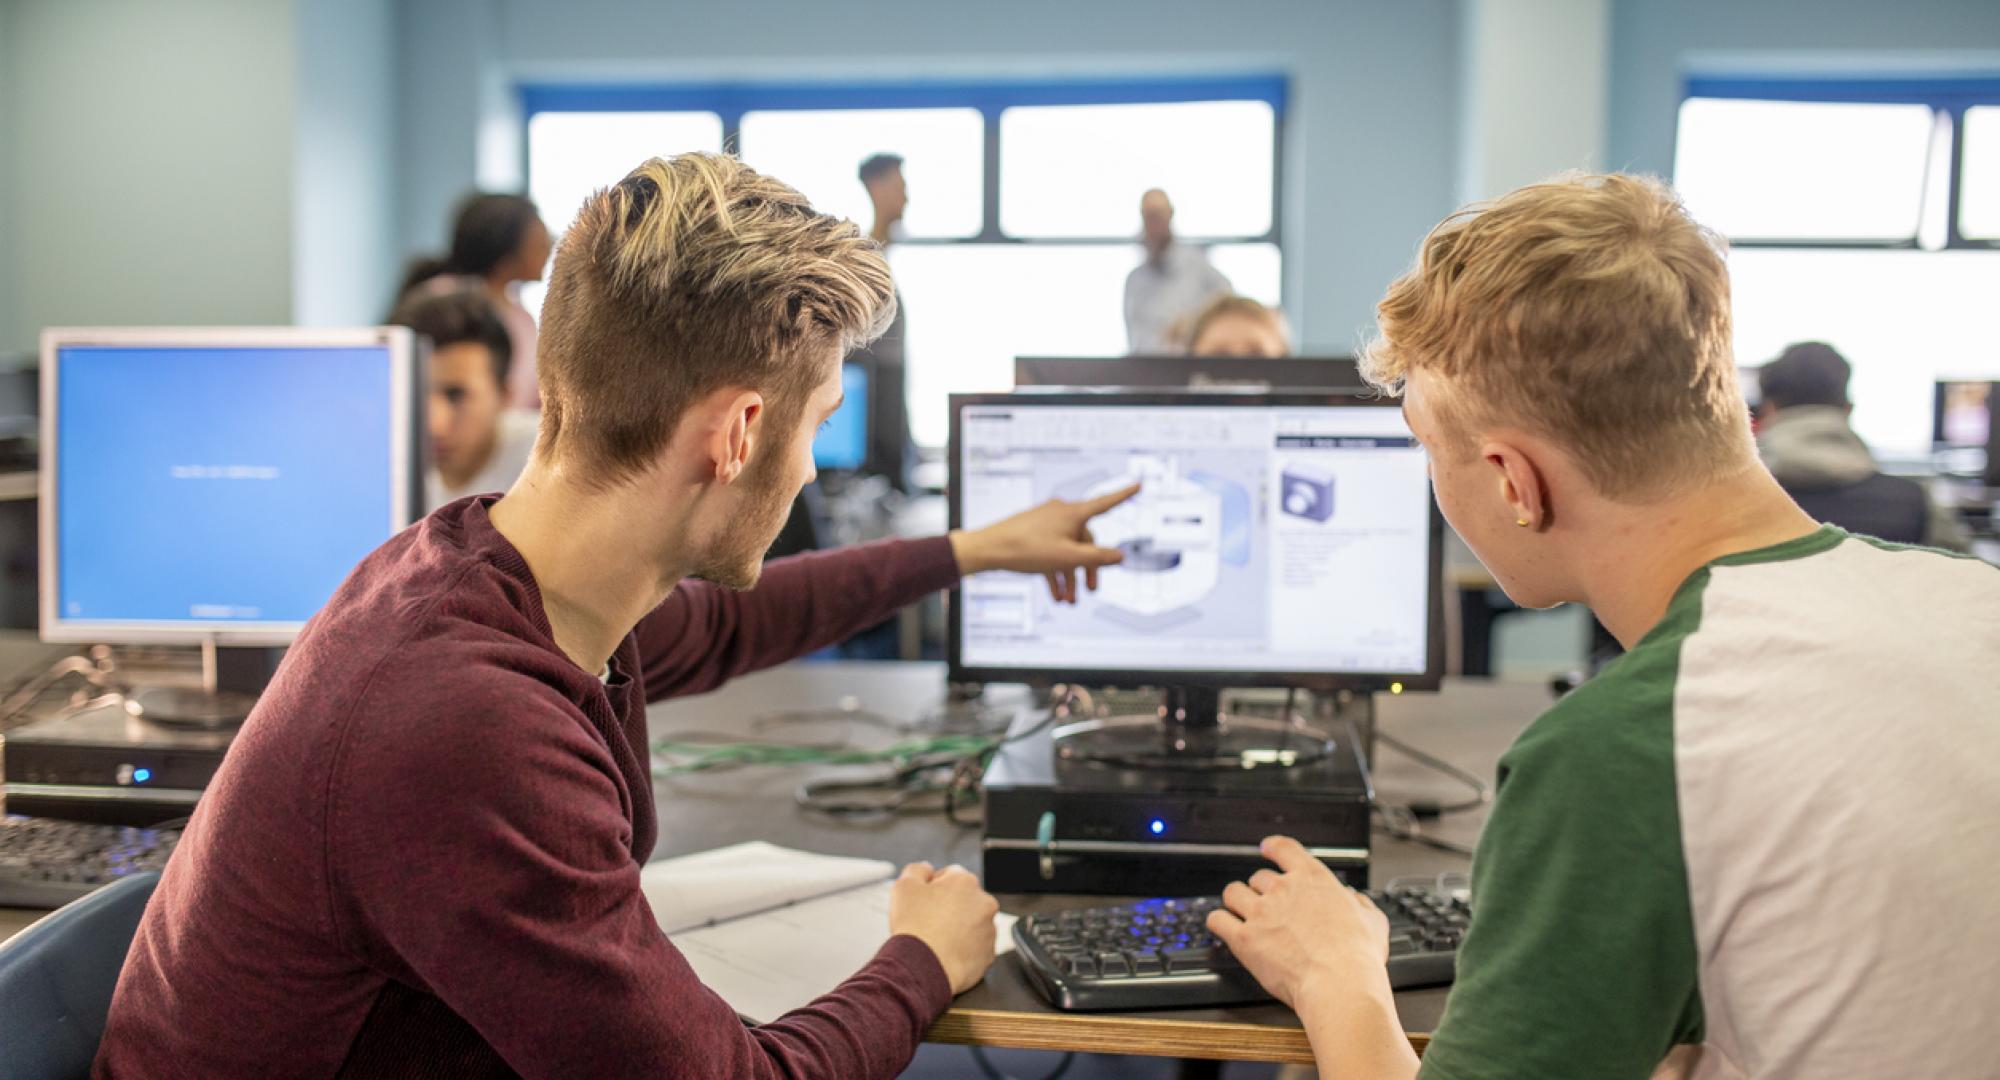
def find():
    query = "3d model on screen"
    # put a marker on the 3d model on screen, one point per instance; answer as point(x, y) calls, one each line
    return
point(1308, 491)
point(1178, 535)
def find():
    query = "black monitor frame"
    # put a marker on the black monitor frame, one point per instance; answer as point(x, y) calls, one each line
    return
point(1316, 682)
point(1263, 374)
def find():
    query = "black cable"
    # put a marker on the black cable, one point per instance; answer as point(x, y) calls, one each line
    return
point(1481, 793)
point(1401, 823)
point(992, 1072)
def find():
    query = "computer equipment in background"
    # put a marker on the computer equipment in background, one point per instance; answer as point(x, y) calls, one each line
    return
point(1965, 428)
point(842, 444)
point(210, 488)
point(1228, 582)
point(45, 863)
point(1221, 372)
point(1159, 954)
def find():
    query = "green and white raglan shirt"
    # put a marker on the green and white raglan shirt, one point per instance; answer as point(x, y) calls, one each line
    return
point(1772, 829)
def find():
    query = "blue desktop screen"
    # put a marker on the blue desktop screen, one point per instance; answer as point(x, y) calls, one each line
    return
point(843, 442)
point(217, 485)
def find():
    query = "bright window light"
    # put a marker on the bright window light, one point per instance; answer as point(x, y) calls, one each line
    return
point(1979, 198)
point(572, 154)
point(1777, 170)
point(819, 153)
point(973, 308)
point(1903, 319)
point(1078, 170)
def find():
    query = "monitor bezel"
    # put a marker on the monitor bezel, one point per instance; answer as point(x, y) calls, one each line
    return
point(1261, 374)
point(1318, 682)
point(55, 629)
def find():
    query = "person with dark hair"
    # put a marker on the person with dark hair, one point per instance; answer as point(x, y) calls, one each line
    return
point(889, 447)
point(497, 242)
point(1805, 439)
point(478, 444)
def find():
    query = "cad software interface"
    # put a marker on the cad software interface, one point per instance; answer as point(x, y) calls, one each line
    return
point(217, 485)
point(1268, 539)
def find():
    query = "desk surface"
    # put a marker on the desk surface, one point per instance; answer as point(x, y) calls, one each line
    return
point(1469, 723)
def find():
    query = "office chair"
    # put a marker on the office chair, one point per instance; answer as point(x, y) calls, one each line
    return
point(56, 979)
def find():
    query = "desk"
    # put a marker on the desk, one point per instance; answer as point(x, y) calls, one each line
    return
point(1469, 723)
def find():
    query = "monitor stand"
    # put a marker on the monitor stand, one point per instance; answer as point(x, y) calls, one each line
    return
point(1190, 732)
point(230, 681)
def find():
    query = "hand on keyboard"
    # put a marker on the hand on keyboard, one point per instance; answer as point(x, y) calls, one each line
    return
point(1299, 924)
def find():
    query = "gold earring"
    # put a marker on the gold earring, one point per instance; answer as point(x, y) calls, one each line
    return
point(1522, 522)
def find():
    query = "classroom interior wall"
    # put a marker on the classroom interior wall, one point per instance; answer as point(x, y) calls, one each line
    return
point(1372, 123)
point(1654, 47)
point(273, 160)
point(344, 194)
point(150, 151)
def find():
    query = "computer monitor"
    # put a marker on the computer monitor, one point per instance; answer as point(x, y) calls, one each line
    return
point(1231, 372)
point(214, 486)
point(1282, 539)
point(1965, 428)
point(842, 444)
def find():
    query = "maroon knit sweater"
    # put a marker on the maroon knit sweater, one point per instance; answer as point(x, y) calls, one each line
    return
point(421, 856)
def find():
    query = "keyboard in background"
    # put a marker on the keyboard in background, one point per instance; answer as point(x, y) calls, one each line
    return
point(46, 863)
point(1159, 954)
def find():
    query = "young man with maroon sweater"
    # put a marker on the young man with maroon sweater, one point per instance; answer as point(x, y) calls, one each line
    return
point(422, 855)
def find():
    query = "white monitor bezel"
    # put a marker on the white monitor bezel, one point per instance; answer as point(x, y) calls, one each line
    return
point(55, 629)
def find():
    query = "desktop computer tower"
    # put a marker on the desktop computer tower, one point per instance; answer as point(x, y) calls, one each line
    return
point(1055, 825)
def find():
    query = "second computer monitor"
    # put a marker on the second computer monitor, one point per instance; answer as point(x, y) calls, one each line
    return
point(1277, 540)
point(1221, 372)
point(842, 442)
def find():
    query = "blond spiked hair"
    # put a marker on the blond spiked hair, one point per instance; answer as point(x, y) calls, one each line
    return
point(1589, 310)
point(692, 275)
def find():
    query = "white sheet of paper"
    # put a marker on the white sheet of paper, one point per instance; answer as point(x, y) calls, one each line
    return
point(743, 879)
point(767, 965)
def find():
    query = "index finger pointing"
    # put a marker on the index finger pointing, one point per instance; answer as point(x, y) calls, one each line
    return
point(1094, 507)
point(1290, 855)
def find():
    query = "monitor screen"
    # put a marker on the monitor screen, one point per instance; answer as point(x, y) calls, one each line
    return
point(1277, 540)
point(1963, 415)
point(842, 442)
point(220, 487)
point(1233, 372)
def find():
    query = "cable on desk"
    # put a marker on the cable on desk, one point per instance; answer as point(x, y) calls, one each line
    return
point(992, 1072)
point(1399, 822)
point(1481, 792)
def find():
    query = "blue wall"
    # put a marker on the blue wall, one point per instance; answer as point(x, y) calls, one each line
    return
point(1654, 45)
point(1372, 128)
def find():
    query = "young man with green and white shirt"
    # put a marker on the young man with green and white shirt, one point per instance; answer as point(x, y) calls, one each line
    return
point(1763, 843)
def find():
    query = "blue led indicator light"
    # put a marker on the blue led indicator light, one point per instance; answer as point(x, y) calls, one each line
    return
point(1158, 826)
point(140, 776)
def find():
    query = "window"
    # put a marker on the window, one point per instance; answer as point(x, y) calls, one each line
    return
point(819, 151)
point(1078, 170)
point(1979, 205)
point(1837, 199)
point(1023, 254)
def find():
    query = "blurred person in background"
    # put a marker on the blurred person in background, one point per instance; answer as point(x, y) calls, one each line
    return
point(890, 449)
point(478, 444)
point(497, 242)
point(1171, 284)
point(1806, 440)
point(1234, 325)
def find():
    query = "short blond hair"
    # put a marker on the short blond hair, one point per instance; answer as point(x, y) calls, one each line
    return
point(688, 276)
point(1590, 310)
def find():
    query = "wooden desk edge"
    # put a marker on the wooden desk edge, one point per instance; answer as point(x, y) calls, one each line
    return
point(1130, 1035)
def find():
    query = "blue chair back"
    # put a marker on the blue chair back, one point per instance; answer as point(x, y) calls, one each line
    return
point(56, 979)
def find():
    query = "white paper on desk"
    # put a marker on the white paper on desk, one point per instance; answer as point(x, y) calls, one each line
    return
point(767, 965)
point(744, 879)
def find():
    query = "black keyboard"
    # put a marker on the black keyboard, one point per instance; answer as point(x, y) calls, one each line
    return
point(46, 863)
point(1159, 953)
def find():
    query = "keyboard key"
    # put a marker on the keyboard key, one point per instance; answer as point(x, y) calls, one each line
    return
point(1147, 963)
point(1111, 963)
point(1179, 960)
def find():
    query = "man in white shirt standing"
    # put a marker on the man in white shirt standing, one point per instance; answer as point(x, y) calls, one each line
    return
point(1172, 285)
point(478, 444)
